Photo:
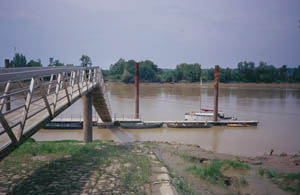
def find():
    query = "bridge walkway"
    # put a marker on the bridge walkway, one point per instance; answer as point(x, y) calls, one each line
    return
point(37, 95)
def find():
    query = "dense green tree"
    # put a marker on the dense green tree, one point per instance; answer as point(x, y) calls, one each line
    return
point(246, 71)
point(85, 61)
point(33, 63)
point(58, 63)
point(19, 60)
point(296, 75)
point(168, 77)
point(283, 73)
point(53, 62)
point(187, 72)
point(118, 67)
point(124, 70)
point(126, 77)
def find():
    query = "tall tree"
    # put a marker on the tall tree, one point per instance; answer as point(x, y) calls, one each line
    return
point(19, 60)
point(85, 61)
point(53, 62)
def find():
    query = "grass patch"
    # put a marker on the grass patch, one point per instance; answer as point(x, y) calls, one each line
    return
point(182, 187)
point(213, 172)
point(235, 164)
point(289, 182)
point(261, 171)
point(58, 166)
point(137, 174)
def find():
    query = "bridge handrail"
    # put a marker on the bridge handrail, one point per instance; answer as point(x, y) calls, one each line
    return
point(17, 74)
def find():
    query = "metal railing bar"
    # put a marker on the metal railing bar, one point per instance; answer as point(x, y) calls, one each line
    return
point(2, 132)
point(35, 100)
point(35, 113)
point(6, 145)
point(14, 93)
point(59, 99)
point(13, 110)
point(14, 125)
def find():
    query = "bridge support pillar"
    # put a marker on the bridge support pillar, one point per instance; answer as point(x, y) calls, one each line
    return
point(87, 118)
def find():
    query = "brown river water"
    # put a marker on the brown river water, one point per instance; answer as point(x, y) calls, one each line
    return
point(276, 109)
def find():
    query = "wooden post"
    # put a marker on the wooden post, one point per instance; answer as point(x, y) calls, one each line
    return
point(6, 65)
point(87, 118)
point(136, 85)
point(216, 92)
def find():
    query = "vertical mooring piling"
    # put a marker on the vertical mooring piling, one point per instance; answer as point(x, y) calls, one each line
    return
point(136, 85)
point(6, 65)
point(87, 118)
point(216, 92)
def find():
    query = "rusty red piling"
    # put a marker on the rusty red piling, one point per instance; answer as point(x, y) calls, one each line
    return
point(136, 85)
point(216, 92)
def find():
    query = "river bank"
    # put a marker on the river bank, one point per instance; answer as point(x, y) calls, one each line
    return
point(106, 167)
point(210, 84)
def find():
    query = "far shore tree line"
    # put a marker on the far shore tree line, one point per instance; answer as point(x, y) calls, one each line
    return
point(19, 60)
point(123, 71)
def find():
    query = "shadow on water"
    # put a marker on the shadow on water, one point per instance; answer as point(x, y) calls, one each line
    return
point(68, 175)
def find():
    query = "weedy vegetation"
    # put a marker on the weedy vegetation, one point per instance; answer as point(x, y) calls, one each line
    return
point(213, 170)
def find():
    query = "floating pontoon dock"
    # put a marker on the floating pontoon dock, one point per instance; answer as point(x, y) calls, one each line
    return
point(99, 123)
point(216, 123)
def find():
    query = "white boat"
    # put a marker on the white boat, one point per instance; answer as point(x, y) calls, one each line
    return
point(202, 115)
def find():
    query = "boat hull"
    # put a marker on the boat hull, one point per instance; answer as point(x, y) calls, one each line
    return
point(188, 125)
point(140, 125)
point(63, 125)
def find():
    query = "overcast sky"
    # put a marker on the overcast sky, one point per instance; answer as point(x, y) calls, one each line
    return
point(168, 32)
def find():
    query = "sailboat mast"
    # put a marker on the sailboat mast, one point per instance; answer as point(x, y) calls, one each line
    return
point(200, 93)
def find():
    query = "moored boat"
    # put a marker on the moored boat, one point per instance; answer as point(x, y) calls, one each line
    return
point(205, 114)
point(63, 125)
point(202, 115)
point(189, 125)
point(140, 125)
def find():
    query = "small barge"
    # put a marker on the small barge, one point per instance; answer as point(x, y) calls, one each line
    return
point(188, 125)
point(140, 125)
point(63, 125)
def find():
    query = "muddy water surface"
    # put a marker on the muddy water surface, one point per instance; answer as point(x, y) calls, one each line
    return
point(277, 110)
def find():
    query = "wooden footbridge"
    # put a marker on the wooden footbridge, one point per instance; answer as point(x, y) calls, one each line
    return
point(31, 97)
